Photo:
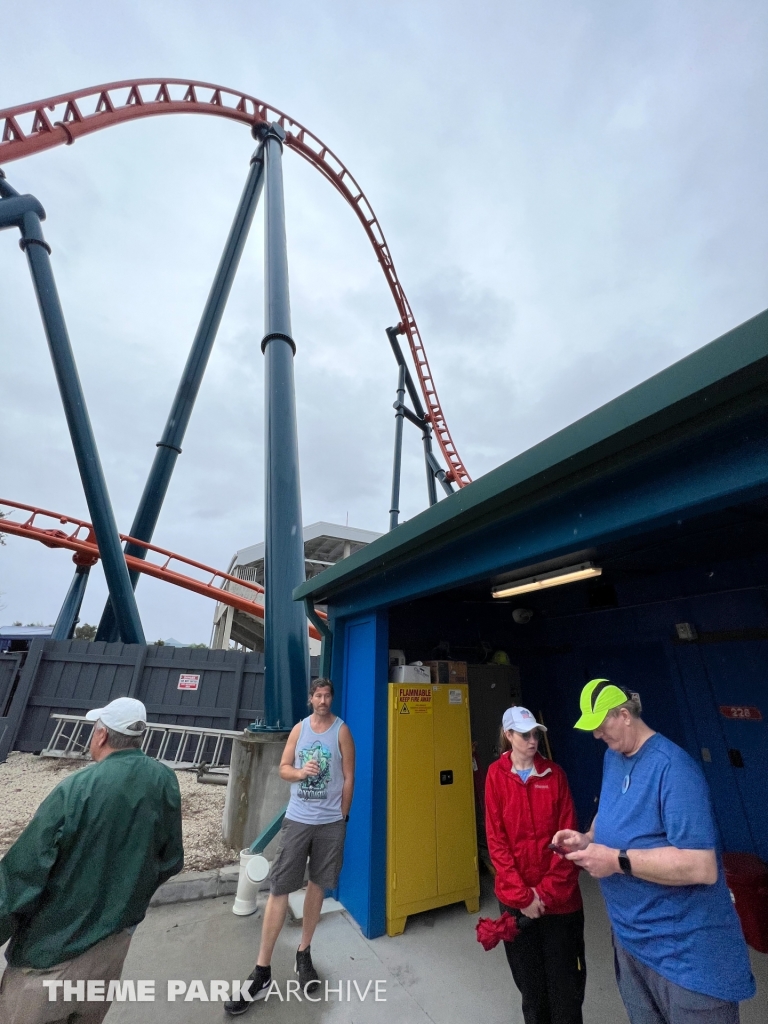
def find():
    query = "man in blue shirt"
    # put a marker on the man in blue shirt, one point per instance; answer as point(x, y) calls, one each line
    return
point(680, 955)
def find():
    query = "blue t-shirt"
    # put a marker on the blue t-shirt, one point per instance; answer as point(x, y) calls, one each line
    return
point(689, 934)
point(524, 773)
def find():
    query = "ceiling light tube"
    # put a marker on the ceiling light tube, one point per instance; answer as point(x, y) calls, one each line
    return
point(571, 574)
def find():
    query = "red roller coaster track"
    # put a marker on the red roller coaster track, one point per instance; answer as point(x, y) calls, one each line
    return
point(82, 541)
point(60, 120)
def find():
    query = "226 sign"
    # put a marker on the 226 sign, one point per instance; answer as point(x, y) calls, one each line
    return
point(741, 712)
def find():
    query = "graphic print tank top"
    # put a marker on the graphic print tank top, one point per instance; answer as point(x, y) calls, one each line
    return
point(317, 799)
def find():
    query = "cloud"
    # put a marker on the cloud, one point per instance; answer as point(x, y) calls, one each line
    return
point(569, 194)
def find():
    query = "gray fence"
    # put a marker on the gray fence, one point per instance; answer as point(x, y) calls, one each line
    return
point(9, 667)
point(178, 685)
point(9, 671)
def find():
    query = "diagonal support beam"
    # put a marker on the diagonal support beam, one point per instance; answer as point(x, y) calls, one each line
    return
point(169, 446)
point(26, 213)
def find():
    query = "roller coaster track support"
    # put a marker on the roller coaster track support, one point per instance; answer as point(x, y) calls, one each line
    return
point(286, 668)
point(26, 213)
point(394, 504)
point(82, 541)
point(420, 419)
point(169, 446)
point(60, 120)
point(69, 613)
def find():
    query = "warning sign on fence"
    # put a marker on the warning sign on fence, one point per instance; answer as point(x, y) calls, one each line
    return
point(414, 700)
point(188, 682)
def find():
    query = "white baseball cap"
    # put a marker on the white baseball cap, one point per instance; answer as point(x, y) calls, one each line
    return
point(520, 720)
point(120, 714)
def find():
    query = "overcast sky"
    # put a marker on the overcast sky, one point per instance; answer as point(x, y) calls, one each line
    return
point(574, 194)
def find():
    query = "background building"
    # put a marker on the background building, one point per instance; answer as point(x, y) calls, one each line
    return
point(324, 545)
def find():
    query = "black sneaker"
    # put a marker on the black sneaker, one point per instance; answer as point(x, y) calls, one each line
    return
point(260, 979)
point(306, 970)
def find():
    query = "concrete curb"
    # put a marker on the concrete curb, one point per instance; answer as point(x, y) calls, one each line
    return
point(198, 885)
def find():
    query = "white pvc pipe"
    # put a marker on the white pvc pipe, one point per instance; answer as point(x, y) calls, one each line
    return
point(247, 891)
point(257, 868)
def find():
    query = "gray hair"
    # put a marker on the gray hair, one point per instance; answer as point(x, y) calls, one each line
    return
point(121, 741)
point(633, 705)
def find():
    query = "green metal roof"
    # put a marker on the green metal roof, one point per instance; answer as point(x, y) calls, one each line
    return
point(732, 365)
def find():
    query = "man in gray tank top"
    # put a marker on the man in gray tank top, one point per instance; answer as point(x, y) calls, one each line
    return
point(319, 762)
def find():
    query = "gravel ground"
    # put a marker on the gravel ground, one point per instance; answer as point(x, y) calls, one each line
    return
point(26, 779)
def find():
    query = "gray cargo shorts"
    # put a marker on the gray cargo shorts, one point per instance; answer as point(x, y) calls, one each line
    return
point(322, 844)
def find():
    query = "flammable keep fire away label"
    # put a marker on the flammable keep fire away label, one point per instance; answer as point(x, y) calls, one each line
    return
point(413, 700)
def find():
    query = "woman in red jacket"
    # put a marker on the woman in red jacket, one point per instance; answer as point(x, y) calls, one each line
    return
point(527, 800)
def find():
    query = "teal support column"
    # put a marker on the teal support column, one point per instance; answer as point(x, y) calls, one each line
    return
point(64, 626)
point(286, 646)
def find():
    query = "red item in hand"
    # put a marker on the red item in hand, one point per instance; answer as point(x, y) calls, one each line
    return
point(490, 933)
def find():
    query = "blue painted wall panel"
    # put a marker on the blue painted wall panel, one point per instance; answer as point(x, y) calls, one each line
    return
point(737, 675)
point(364, 709)
point(552, 683)
point(708, 725)
point(338, 660)
point(682, 686)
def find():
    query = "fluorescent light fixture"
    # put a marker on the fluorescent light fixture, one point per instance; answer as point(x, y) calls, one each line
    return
point(570, 574)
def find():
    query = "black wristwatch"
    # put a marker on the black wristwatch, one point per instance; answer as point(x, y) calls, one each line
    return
point(624, 862)
point(346, 817)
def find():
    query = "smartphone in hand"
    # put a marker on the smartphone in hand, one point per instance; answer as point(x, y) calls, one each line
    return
point(560, 850)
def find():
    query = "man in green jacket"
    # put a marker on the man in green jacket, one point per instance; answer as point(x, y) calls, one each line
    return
point(79, 878)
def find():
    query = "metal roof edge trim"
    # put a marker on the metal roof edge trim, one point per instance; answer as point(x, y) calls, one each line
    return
point(701, 380)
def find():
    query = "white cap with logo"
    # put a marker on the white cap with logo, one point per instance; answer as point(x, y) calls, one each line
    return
point(520, 720)
point(120, 714)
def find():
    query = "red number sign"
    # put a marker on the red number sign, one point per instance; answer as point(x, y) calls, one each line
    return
point(742, 712)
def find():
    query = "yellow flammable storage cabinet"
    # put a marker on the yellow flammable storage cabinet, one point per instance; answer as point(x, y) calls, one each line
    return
point(431, 837)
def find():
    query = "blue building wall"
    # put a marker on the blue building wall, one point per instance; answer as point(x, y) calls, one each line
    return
point(362, 658)
point(682, 684)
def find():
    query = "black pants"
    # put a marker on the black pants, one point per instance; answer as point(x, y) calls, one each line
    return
point(547, 963)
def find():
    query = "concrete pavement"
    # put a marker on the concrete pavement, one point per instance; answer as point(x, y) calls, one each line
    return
point(435, 973)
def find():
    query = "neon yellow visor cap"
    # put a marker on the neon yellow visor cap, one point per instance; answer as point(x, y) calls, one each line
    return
point(598, 697)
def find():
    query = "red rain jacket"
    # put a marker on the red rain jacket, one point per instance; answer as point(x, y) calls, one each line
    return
point(520, 820)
